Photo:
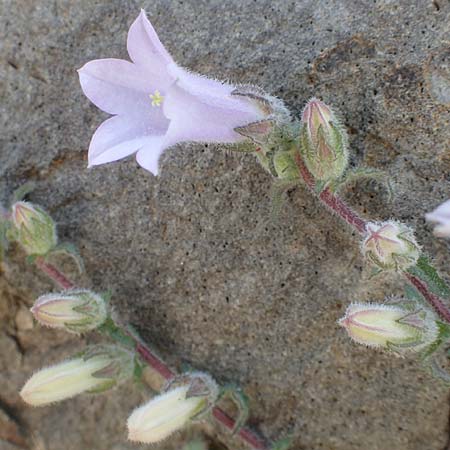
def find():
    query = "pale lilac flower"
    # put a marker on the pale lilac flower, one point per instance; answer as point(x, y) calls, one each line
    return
point(157, 104)
point(441, 216)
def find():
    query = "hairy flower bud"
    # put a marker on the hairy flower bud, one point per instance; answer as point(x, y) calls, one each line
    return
point(184, 399)
point(98, 369)
point(390, 245)
point(76, 311)
point(323, 142)
point(35, 229)
point(441, 216)
point(392, 327)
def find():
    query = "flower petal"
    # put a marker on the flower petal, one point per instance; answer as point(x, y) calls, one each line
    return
point(148, 156)
point(203, 110)
point(117, 138)
point(145, 48)
point(116, 86)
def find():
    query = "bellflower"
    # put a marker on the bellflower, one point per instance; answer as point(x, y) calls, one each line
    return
point(157, 104)
point(441, 216)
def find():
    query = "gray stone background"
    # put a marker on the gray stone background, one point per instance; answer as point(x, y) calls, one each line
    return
point(192, 257)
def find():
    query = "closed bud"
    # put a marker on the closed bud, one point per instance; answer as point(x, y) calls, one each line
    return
point(35, 229)
point(185, 399)
point(98, 369)
point(393, 327)
point(323, 142)
point(76, 311)
point(390, 245)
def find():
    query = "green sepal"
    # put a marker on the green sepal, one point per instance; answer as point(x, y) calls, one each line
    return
point(106, 296)
point(4, 241)
point(68, 249)
point(21, 192)
point(138, 370)
point(31, 259)
point(411, 293)
point(110, 328)
point(374, 272)
point(238, 397)
point(108, 384)
point(277, 195)
point(282, 444)
point(427, 273)
point(319, 186)
point(361, 173)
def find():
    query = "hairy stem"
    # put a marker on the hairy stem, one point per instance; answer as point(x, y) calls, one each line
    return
point(431, 298)
point(247, 435)
point(335, 203)
point(52, 272)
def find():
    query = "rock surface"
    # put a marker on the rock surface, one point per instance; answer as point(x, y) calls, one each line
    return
point(193, 258)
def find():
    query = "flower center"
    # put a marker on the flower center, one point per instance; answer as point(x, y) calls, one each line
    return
point(156, 98)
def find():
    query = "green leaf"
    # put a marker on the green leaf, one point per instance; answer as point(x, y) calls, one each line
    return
point(361, 173)
point(427, 273)
point(110, 328)
point(241, 401)
point(21, 192)
point(68, 249)
point(413, 294)
point(282, 444)
point(277, 195)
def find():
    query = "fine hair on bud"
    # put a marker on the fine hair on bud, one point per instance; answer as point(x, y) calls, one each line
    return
point(99, 368)
point(34, 229)
point(401, 328)
point(186, 397)
point(390, 245)
point(323, 142)
point(76, 311)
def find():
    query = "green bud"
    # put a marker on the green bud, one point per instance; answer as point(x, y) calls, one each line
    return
point(323, 142)
point(34, 229)
point(76, 311)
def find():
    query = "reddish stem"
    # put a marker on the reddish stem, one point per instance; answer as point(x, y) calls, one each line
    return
point(431, 298)
point(53, 273)
point(154, 362)
point(247, 435)
point(343, 210)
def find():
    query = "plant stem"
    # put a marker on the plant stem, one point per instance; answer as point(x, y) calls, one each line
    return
point(246, 434)
point(53, 273)
point(335, 203)
point(431, 298)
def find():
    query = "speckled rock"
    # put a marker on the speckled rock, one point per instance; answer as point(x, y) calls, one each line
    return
point(193, 257)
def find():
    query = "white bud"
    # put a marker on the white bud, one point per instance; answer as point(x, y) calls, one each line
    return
point(390, 245)
point(76, 311)
point(395, 328)
point(172, 410)
point(100, 368)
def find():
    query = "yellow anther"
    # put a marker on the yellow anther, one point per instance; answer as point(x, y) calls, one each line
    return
point(156, 98)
